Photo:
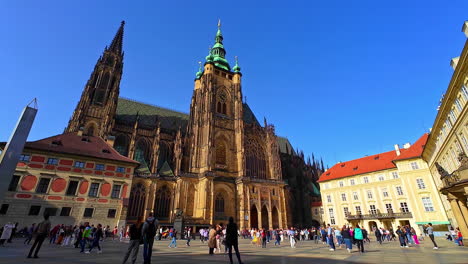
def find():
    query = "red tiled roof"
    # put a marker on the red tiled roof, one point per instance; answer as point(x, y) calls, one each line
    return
point(381, 161)
point(71, 143)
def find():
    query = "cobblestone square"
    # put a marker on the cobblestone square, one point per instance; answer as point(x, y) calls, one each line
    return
point(306, 252)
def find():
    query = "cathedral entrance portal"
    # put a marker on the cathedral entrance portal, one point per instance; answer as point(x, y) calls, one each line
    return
point(253, 217)
point(265, 218)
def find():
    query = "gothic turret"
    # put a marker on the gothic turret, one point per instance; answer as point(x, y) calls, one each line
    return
point(96, 109)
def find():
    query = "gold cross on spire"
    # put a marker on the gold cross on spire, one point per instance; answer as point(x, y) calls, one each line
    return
point(219, 22)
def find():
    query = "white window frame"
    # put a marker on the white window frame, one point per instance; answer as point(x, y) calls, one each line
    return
point(414, 165)
point(399, 190)
point(370, 194)
point(420, 183)
point(395, 175)
point(385, 192)
point(427, 203)
point(366, 179)
point(343, 197)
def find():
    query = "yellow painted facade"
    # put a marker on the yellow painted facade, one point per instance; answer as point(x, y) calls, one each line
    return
point(447, 145)
point(386, 198)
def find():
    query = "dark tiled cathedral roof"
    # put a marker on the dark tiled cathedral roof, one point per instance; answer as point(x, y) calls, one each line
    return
point(127, 110)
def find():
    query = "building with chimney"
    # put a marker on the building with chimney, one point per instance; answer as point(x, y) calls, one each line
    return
point(388, 190)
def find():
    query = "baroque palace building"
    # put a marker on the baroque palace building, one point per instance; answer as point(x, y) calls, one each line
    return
point(447, 147)
point(215, 162)
point(387, 190)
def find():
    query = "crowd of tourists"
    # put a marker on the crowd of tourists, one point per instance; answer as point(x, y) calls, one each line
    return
point(219, 238)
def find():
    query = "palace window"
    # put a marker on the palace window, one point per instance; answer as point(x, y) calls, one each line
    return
point(116, 191)
point(99, 166)
point(404, 207)
point(163, 202)
point(448, 123)
point(343, 197)
point(329, 199)
point(414, 165)
point(346, 211)
point(427, 203)
point(381, 177)
point(51, 211)
point(420, 183)
point(34, 210)
point(452, 116)
point(93, 190)
point(395, 175)
point(341, 184)
point(79, 164)
point(120, 169)
point(332, 216)
point(366, 179)
point(137, 200)
point(358, 210)
point(4, 209)
point(399, 190)
point(373, 211)
point(65, 211)
point(465, 92)
point(351, 182)
point(14, 183)
point(111, 213)
point(385, 192)
point(458, 105)
point(355, 196)
point(369, 194)
point(389, 208)
point(24, 157)
point(43, 185)
point(52, 161)
point(219, 204)
point(72, 186)
point(88, 212)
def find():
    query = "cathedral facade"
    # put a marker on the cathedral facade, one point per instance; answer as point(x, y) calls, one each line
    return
point(215, 162)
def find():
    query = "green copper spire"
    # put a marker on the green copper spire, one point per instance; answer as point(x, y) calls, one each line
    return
point(209, 58)
point(218, 52)
point(236, 67)
point(200, 71)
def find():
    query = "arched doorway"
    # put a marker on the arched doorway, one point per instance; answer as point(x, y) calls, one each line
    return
point(265, 218)
point(275, 218)
point(253, 217)
point(372, 225)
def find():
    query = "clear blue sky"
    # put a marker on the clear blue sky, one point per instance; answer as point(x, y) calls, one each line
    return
point(341, 79)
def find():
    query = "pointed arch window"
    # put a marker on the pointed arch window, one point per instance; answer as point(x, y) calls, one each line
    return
point(121, 144)
point(90, 130)
point(255, 160)
point(100, 93)
point(221, 153)
point(165, 154)
point(163, 202)
point(137, 201)
point(219, 204)
point(142, 153)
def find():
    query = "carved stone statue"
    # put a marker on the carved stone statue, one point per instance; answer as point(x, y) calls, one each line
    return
point(463, 159)
point(442, 172)
point(179, 213)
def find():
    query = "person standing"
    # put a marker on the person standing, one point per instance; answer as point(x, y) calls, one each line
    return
point(231, 240)
point(134, 245)
point(402, 236)
point(359, 237)
point(41, 233)
point(330, 241)
point(30, 234)
point(212, 240)
point(415, 236)
point(264, 238)
point(292, 239)
point(188, 236)
point(347, 238)
point(86, 236)
point(7, 232)
point(430, 232)
point(148, 232)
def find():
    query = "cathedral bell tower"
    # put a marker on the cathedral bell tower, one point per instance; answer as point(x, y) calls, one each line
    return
point(215, 128)
point(96, 109)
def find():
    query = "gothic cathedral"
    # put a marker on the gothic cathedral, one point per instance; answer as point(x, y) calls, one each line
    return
point(216, 162)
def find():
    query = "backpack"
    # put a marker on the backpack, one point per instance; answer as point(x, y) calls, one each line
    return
point(358, 234)
point(151, 232)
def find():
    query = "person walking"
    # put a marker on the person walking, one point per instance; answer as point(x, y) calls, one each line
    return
point(459, 237)
point(277, 237)
point(292, 239)
point(430, 232)
point(6, 234)
point(212, 240)
point(135, 241)
point(189, 236)
point(401, 232)
point(347, 238)
point(98, 235)
point(41, 233)
point(30, 234)
point(86, 237)
point(378, 235)
point(231, 240)
point(415, 236)
point(173, 236)
point(148, 232)
point(359, 237)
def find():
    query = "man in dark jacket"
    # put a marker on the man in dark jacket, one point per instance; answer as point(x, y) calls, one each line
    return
point(378, 235)
point(41, 233)
point(148, 232)
point(231, 239)
point(134, 245)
